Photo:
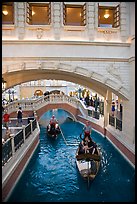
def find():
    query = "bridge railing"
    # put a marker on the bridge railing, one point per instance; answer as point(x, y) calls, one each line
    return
point(35, 104)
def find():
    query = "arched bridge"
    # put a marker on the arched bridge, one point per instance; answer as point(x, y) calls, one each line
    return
point(90, 66)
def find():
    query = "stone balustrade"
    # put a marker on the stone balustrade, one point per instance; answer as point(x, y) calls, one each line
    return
point(35, 104)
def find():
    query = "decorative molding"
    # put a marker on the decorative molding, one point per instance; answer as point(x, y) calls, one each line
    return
point(23, 66)
point(39, 65)
point(98, 76)
point(65, 67)
point(74, 28)
point(108, 30)
point(39, 33)
point(114, 71)
point(81, 70)
point(36, 27)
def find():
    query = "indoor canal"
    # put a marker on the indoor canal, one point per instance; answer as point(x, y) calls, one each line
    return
point(52, 174)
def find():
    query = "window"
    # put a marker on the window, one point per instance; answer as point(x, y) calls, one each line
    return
point(8, 13)
point(74, 15)
point(108, 16)
point(39, 13)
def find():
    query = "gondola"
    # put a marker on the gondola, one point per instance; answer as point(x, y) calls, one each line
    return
point(88, 164)
point(53, 130)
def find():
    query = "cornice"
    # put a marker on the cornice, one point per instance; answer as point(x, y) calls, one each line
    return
point(65, 59)
point(55, 42)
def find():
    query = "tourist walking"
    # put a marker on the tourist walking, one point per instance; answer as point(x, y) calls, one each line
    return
point(19, 116)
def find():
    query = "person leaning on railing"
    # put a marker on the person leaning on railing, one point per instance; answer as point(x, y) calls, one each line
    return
point(6, 119)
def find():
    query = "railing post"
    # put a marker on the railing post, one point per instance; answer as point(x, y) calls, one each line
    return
point(12, 145)
point(35, 115)
point(31, 126)
point(23, 126)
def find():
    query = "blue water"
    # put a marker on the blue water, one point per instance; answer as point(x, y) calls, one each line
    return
point(52, 175)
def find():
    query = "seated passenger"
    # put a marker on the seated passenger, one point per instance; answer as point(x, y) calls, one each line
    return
point(92, 147)
point(89, 146)
point(81, 148)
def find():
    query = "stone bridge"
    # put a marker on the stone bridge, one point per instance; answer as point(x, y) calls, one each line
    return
point(83, 63)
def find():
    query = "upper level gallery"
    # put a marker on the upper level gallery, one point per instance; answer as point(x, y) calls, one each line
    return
point(69, 21)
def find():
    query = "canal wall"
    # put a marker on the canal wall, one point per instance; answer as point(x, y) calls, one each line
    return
point(13, 169)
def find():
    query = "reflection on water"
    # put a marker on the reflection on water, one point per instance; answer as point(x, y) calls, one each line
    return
point(52, 174)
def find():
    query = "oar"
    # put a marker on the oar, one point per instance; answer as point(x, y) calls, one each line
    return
point(63, 137)
point(81, 133)
point(88, 175)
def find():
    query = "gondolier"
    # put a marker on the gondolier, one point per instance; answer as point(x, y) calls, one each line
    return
point(87, 129)
point(53, 128)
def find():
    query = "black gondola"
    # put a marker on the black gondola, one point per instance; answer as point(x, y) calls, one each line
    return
point(53, 130)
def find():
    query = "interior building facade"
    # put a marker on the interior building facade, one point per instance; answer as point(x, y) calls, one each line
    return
point(88, 43)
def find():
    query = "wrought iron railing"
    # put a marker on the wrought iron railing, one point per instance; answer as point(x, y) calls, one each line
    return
point(14, 143)
point(34, 124)
point(115, 122)
point(93, 114)
point(111, 120)
point(18, 140)
point(119, 124)
point(6, 151)
point(27, 130)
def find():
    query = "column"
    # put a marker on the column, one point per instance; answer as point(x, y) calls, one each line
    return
point(21, 19)
point(91, 19)
point(107, 107)
point(123, 21)
point(57, 19)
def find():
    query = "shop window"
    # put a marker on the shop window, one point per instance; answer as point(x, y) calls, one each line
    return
point(108, 16)
point(39, 13)
point(74, 15)
point(8, 13)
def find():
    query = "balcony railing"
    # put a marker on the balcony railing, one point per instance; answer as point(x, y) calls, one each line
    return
point(115, 122)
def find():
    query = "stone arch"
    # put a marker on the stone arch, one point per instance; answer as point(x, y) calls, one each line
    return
point(61, 71)
point(68, 108)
